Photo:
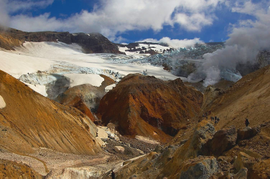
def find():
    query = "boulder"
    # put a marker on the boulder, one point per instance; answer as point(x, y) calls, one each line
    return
point(204, 131)
point(222, 140)
point(147, 106)
point(244, 160)
point(247, 133)
point(119, 149)
point(189, 150)
point(199, 168)
point(242, 174)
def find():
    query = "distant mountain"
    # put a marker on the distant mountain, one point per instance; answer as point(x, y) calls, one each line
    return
point(91, 43)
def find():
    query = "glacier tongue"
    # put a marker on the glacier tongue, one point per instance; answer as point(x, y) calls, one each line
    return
point(57, 78)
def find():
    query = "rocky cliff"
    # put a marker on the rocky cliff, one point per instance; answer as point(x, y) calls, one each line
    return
point(91, 43)
point(147, 106)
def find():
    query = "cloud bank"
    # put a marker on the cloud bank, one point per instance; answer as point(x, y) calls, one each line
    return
point(18, 5)
point(112, 17)
point(246, 40)
point(175, 43)
point(4, 18)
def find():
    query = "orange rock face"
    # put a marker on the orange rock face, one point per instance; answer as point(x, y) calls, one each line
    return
point(30, 121)
point(147, 106)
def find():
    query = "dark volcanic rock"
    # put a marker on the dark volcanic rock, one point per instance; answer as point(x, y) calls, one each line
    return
point(247, 133)
point(199, 168)
point(147, 106)
point(222, 141)
point(94, 43)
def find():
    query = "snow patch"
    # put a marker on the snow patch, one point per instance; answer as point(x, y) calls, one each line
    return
point(41, 89)
point(110, 87)
point(78, 79)
point(2, 102)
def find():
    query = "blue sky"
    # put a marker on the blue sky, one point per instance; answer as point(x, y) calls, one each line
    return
point(134, 20)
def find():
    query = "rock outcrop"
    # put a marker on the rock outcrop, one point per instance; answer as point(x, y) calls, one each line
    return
point(147, 106)
point(13, 170)
point(199, 168)
point(31, 121)
point(91, 43)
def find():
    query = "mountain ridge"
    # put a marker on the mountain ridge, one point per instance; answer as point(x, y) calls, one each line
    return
point(91, 43)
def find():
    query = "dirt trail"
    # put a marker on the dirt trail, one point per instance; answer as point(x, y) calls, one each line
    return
point(52, 163)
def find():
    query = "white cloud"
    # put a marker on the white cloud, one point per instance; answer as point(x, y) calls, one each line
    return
point(4, 18)
point(39, 23)
point(17, 5)
point(246, 40)
point(112, 17)
point(175, 43)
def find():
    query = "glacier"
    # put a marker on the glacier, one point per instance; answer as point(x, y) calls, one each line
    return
point(50, 68)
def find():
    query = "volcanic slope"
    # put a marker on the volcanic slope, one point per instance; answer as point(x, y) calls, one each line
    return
point(248, 98)
point(150, 107)
point(29, 121)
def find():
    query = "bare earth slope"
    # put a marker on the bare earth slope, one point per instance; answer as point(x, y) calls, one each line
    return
point(30, 121)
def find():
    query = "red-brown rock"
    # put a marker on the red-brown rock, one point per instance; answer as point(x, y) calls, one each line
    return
point(147, 106)
point(78, 103)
